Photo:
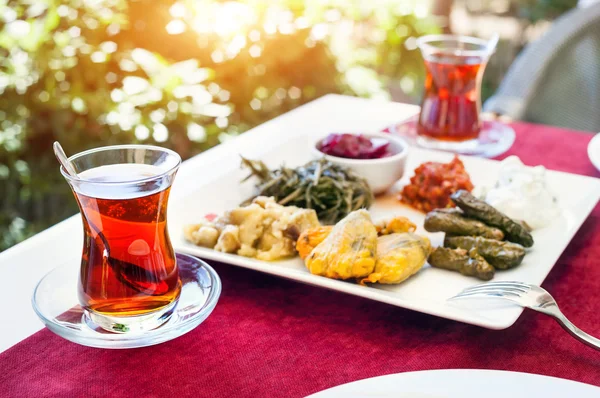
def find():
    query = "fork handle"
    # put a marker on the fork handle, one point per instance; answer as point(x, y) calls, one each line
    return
point(573, 330)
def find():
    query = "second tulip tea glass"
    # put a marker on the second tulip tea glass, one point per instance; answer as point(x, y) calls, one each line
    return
point(449, 117)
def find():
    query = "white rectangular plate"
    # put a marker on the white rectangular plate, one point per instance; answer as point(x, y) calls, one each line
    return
point(210, 183)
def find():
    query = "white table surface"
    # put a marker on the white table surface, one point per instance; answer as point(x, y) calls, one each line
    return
point(26, 263)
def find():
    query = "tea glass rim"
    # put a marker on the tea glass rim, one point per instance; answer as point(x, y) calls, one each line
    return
point(425, 43)
point(163, 173)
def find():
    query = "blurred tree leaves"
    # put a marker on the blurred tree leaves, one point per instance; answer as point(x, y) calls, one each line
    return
point(183, 74)
point(537, 10)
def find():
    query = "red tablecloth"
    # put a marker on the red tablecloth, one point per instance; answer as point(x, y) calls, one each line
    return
point(271, 337)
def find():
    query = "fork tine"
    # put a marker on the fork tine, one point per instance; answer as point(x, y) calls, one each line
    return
point(507, 290)
point(511, 283)
point(500, 285)
point(487, 294)
point(481, 288)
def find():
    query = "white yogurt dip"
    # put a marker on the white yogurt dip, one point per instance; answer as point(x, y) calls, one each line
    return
point(521, 193)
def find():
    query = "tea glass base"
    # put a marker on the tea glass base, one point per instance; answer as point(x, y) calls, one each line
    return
point(131, 324)
point(494, 139)
point(55, 302)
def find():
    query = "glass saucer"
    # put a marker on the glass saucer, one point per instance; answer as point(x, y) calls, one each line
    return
point(495, 139)
point(55, 302)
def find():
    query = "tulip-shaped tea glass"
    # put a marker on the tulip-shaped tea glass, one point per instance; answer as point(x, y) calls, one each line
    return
point(451, 105)
point(128, 280)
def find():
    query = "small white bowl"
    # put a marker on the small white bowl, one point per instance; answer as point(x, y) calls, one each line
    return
point(380, 173)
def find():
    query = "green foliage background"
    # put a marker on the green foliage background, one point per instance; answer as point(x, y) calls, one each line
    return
point(102, 72)
point(185, 74)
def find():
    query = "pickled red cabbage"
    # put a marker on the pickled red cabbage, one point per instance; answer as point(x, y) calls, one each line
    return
point(353, 146)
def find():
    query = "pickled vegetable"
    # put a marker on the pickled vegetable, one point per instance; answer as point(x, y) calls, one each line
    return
point(469, 263)
point(482, 211)
point(453, 221)
point(352, 146)
point(500, 254)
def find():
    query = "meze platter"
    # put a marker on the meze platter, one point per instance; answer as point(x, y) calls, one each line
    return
point(381, 253)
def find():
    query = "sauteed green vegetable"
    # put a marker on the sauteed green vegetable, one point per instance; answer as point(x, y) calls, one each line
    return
point(331, 190)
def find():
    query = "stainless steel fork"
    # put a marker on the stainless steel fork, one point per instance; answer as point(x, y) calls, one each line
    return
point(528, 296)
